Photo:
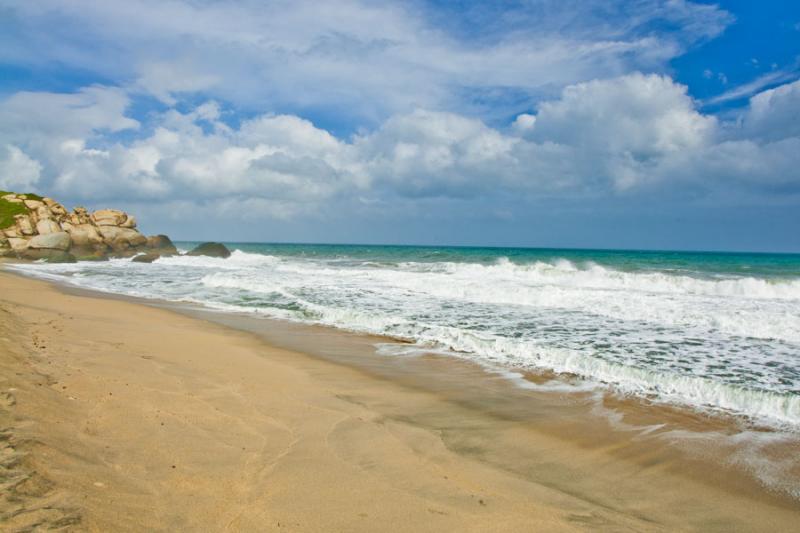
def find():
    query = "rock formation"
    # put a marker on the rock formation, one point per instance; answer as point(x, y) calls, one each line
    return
point(211, 249)
point(33, 227)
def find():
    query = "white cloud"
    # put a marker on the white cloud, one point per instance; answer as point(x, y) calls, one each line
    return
point(774, 114)
point(164, 80)
point(372, 59)
point(639, 114)
point(436, 153)
point(604, 137)
point(747, 90)
point(18, 172)
point(91, 109)
point(625, 127)
point(524, 122)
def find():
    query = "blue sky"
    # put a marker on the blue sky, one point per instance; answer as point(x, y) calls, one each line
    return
point(580, 123)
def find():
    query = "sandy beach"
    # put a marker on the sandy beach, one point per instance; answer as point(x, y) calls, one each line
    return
point(119, 416)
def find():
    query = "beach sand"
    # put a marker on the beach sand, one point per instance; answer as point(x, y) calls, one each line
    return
point(119, 416)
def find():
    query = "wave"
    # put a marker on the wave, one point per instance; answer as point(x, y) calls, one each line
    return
point(590, 275)
point(237, 260)
point(562, 286)
point(559, 272)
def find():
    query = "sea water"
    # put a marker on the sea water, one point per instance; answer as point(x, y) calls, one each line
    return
point(713, 331)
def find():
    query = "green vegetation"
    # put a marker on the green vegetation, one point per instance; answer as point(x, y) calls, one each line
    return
point(33, 196)
point(9, 209)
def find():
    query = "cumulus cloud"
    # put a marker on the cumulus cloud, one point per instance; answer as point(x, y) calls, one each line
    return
point(603, 137)
point(629, 126)
point(435, 153)
point(18, 172)
point(774, 114)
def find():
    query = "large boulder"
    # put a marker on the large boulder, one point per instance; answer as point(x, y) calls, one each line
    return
point(24, 224)
point(47, 225)
point(80, 216)
point(84, 235)
point(49, 255)
point(17, 243)
point(33, 205)
point(50, 241)
point(58, 210)
point(122, 239)
point(162, 245)
point(5, 247)
point(96, 253)
point(211, 249)
point(109, 217)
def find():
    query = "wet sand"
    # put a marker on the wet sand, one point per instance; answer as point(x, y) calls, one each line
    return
point(118, 416)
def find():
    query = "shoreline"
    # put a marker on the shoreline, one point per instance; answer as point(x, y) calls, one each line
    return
point(336, 442)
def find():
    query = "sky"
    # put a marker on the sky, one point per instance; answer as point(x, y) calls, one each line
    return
point(648, 124)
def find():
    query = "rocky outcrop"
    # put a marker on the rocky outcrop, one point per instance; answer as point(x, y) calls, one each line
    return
point(33, 227)
point(162, 245)
point(211, 249)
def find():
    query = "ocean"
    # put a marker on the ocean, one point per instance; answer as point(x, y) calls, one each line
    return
point(715, 332)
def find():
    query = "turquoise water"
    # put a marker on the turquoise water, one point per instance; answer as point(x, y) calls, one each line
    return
point(711, 331)
point(786, 266)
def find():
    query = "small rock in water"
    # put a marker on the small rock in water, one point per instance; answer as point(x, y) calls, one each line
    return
point(211, 249)
point(146, 258)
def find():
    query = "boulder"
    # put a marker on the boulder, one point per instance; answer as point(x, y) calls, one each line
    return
point(47, 225)
point(162, 244)
point(80, 216)
point(49, 255)
point(83, 234)
point(24, 225)
point(43, 212)
point(148, 257)
point(58, 210)
point(89, 254)
point(33, 204)
point(122, 239)
point(17, 244)
point(51, 241)
point(211, 249)
point(109, 217)
point(130, 222)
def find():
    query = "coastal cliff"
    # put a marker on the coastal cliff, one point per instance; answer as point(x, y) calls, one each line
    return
point(34, 227)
